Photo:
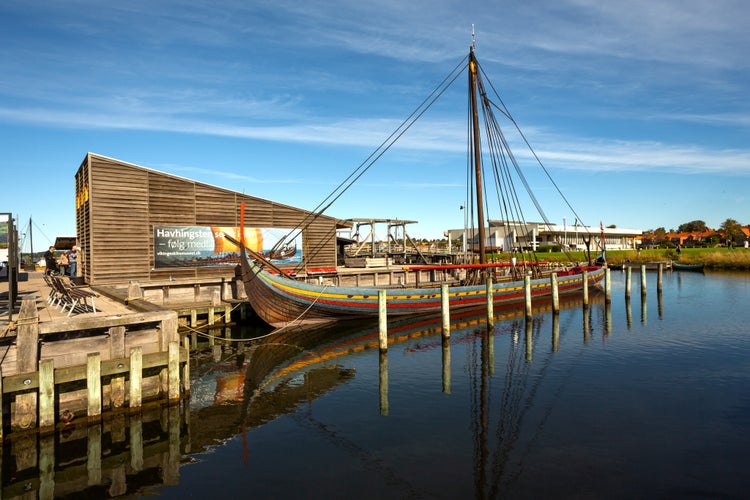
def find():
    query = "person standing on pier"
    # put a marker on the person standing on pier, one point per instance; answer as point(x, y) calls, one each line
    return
point(63, 263)
point(49, 261)
point(73, 261)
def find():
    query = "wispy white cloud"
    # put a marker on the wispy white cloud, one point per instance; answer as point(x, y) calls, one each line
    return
point(434, 136)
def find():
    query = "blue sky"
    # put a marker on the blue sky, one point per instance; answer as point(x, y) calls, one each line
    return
point(638, 109)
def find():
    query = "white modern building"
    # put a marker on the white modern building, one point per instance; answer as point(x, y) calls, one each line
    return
point(502, 235)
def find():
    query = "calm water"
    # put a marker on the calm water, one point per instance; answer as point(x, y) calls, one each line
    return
point(647, 399)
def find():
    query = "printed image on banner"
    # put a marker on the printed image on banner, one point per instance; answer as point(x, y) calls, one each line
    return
point(203, 246)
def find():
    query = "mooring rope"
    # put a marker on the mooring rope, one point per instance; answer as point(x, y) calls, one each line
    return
point(278, 330)
point(298, 318)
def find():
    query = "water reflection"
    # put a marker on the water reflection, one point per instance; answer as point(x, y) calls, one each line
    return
point(446, 363)
point(115, 457)
point(242, 384)
point(383, 371)
point(527, 409)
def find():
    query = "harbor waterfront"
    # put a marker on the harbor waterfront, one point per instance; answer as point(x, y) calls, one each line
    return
point(641, 398)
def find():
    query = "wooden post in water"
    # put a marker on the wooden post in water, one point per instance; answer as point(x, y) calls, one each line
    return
point(117, 351)
point(585, 288)
point(555, 293)
point(382, 320)
point(659, 278)
point(490, 304)
point(607, 286)
point(46, 394)
point(94, 385)
point(445, 309)
point(27, 361)
point(643, 279)
point(527, 295)
point(136, 377)
point(628, 279)
point(173, 370)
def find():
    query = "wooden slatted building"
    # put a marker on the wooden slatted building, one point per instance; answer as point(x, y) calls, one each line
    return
point(118, 204)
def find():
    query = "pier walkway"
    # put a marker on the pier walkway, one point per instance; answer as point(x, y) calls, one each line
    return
point(36, 287)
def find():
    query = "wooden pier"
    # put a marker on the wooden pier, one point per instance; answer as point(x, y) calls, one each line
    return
point(107, 358)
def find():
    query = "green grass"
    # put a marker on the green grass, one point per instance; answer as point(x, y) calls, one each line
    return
point(711, 258)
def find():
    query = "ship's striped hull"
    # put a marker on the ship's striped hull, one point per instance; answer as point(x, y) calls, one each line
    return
point(279, 300)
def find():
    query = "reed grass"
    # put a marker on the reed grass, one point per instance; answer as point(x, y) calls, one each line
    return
point(711, 258)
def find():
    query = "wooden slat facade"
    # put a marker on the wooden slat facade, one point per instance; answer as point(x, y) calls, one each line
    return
point(118, 204)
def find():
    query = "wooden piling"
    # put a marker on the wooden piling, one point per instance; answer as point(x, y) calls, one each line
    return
point(46, 394)
point(555, 293)
point(607, 286)
point(27, 361)
point(643, 279)
point(382, 320)
point(490, 303)
point(27, 337)
point(94, 385)
point(659, 278)
point(527, 295)
point(445, 310)
point(136, 377)
point(628, 279)
point(173, 368)
point(585, 288)
point(117, 351)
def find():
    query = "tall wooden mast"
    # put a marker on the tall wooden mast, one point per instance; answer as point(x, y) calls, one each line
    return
point(477, 153)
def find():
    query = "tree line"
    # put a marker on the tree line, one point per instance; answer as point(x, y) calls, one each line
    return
point(730, 231)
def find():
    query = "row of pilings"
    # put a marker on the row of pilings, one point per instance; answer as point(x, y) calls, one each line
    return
point(445, 309)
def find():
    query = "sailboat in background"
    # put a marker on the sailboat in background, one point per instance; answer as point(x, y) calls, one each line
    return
point(280, 300)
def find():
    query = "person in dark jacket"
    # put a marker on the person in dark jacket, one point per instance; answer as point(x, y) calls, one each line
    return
point(50, 261)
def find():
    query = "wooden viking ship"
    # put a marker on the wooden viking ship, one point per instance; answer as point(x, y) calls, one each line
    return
point(280, 300)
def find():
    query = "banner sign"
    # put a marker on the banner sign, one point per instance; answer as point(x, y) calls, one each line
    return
point(203, 246)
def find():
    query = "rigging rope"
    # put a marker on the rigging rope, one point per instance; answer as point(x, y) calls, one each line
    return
point(501, 156)
point(384, 146)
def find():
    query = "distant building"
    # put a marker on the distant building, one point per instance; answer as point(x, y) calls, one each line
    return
point(502, 235)
point(692, 238)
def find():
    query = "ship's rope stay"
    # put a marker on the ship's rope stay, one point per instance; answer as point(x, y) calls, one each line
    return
point(489, 158)
point(498, 165)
